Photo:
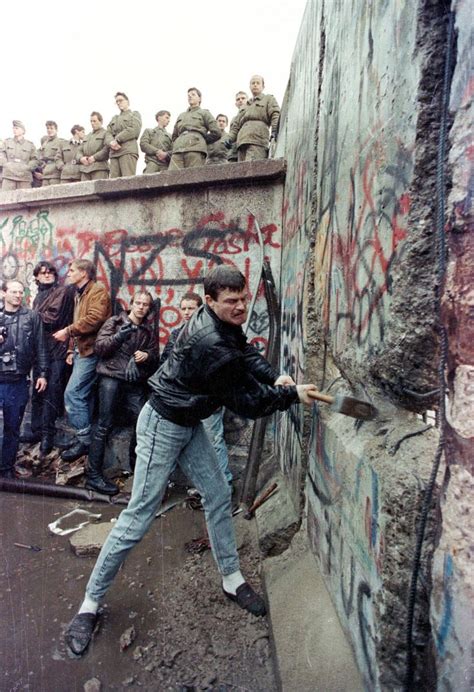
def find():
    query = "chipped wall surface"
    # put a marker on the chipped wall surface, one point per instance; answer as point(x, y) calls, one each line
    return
point(374, 192)
point(362, 123)
point(452, 600)
point(157, 234)
point(364, 499)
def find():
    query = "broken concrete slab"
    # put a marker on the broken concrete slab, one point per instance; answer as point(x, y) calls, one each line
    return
point(88, 541)
point(311, 650)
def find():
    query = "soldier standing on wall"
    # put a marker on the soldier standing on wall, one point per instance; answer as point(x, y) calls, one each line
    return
point(67, 158)
point(250, 129)
point(193, 131)
point(93, 153)
point(18, 159)
point(241, 101)
point(217, 152)
point(46, 171)
point(156, 144)
point(125, 130)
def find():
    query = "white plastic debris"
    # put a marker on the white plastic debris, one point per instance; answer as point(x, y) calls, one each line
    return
point(61, 527)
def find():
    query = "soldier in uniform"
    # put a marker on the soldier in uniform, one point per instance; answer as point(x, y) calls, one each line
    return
point(241, 101)
point(250, 130)
point(193, 131)
point(217, 152)
point(125, 130)
point(18, 159)
point(67, 159)
point(93, 152)
point(47, 172)
point(156, 144)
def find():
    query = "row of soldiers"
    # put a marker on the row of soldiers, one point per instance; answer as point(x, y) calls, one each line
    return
point(198, 138)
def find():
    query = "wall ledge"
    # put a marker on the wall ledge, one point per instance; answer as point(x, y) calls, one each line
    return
point(258, 172)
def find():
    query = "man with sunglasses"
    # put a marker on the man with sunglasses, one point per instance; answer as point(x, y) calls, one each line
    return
point(55, 305)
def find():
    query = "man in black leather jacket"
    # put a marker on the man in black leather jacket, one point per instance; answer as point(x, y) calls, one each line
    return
point(22, 344)
point(128, 355)
point(211, 365)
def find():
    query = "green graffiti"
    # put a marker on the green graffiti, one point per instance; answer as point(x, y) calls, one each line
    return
point(38, 230)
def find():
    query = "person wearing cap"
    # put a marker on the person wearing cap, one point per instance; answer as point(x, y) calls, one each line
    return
point(250, 129)
point(67, 158)
point(18, 159)
point(93, 152)
point(193, 131)
point(46, 171)
point(156, 144)
point(125, 130)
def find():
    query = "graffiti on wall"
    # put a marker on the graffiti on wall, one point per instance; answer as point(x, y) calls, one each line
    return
point(363, 205)
point(167, 262)
point(345, 532)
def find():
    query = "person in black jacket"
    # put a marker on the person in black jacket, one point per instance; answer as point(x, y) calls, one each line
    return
point(55, 305)
point(22, 344)
point(211, 365)
point(127, 354)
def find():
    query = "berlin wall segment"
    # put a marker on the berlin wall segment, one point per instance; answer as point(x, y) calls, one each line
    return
point(360, 128)
point(164, 246)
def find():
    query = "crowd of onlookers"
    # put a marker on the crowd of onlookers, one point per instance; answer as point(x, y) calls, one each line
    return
point(74, 348)
point(197, 139)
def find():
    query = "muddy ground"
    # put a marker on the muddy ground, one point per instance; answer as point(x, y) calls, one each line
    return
point(186, 635)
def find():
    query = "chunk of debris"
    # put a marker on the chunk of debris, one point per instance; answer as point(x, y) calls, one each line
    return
point(66, 472)
point(127, 638)
point(88, 541)
point(93, 685)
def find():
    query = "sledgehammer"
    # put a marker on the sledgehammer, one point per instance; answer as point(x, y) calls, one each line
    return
point(347, 405)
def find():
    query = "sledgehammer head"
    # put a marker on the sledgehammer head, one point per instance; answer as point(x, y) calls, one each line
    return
point(356, 408)
point(346, 405)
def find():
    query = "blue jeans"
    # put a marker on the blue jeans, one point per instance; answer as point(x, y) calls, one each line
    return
point(214, 426)
point(78, 400)
point(13, 400)
point(161, 445)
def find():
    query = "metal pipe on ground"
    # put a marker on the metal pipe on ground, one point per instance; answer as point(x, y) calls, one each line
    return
point(29, 487)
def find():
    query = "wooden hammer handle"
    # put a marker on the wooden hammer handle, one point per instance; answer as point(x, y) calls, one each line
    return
point(261, 499)
point(320, 397)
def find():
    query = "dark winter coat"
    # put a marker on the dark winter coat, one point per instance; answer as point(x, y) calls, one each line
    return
point(114, 357)
point(213, 365)
point(26, 331)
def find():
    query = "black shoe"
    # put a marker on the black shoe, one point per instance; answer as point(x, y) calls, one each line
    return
point(31, 438)
point(101, 485)
point(46, 445)
point(80, 630)
point(247, 599)
point(77, 450)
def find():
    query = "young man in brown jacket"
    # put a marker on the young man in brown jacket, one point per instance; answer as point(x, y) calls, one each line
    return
point(92, 306)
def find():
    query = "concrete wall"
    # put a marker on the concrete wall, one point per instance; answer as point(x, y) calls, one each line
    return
point(360, 135)
point(296, 143)
point(158, 232)
point(452, 600)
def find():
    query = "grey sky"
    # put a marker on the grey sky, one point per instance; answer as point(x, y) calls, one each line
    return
point(61, 60)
